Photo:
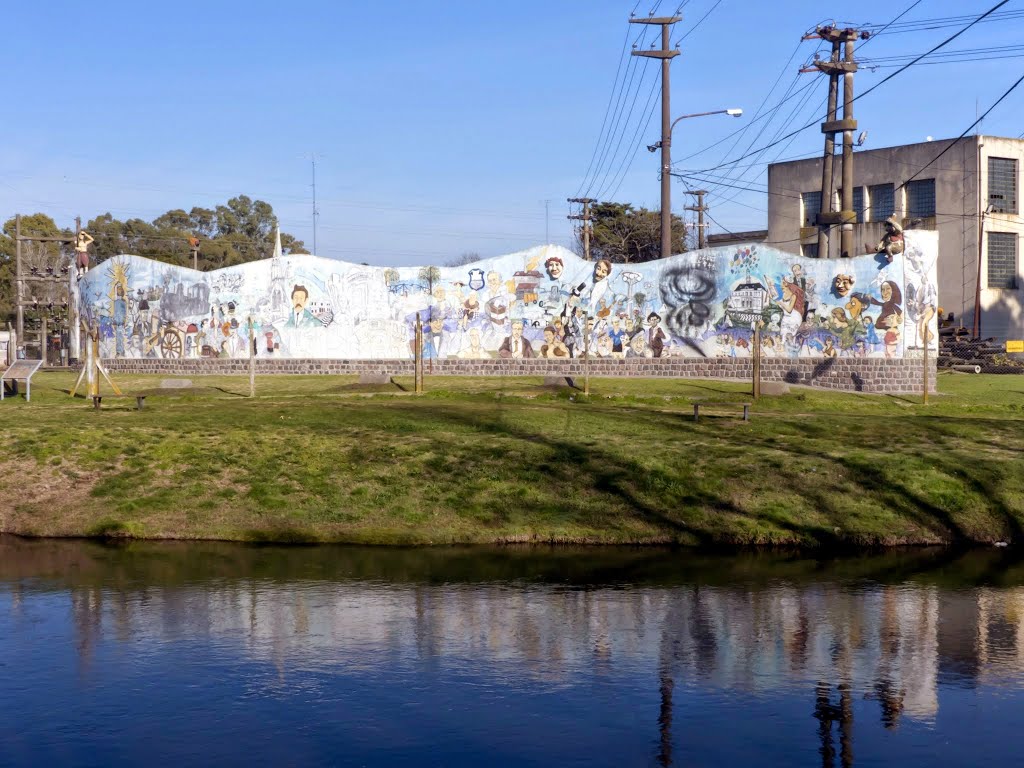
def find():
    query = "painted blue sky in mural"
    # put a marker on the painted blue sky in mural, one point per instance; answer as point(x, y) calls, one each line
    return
point(544, 302)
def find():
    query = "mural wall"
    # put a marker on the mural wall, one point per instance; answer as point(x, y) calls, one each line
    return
point(543, 302)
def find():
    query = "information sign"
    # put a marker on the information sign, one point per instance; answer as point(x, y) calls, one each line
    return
point(20, 370)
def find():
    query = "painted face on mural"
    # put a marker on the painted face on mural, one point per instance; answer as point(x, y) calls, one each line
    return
point(843, 284)
point(299, 298)
point(553, 267)
point(493, 282)
point(517, 329)
point(601, 270)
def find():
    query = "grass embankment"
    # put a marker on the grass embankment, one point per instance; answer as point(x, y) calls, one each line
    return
point(503, 460)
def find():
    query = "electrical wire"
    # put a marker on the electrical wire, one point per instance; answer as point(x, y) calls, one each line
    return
point(874, 87)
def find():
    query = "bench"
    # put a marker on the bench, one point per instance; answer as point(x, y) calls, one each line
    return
point(97, 401)
point(698, 403)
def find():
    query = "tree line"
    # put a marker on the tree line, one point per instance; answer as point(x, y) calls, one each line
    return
point(239, 231)
point(242, 230)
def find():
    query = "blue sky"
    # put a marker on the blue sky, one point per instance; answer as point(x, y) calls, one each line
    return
point(440, 127)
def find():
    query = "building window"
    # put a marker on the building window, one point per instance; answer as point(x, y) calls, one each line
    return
point(811, 202)
point(810, 251)
point(858, 202)
point(1002, 185)
point(921, 198)
point(1002, 260)
point(882, 200)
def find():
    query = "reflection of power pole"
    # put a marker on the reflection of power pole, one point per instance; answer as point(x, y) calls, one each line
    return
point(666, 55)
point(585, 218)
point(699, 208)
point(842, 41)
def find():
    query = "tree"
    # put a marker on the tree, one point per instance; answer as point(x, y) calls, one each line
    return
point(240, 231)
point(466, 258)
point(625, 235)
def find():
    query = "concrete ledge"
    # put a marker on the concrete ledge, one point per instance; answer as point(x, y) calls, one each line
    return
point(374, 378)
point(903, 376)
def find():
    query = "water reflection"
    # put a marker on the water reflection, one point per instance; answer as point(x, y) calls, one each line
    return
point(617, 657)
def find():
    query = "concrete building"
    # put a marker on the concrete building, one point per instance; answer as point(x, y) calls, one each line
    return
point(970, 195)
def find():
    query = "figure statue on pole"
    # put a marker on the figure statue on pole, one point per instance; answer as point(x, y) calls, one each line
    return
point(891, 243)
point(82, 241)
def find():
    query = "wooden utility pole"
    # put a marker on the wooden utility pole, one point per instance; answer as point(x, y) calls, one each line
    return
point(842, 42)
point(19, 277)
point(702, 240)
point(666, 55)
point(585, 218)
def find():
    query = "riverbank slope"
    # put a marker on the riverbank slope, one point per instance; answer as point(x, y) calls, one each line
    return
point(510, 460)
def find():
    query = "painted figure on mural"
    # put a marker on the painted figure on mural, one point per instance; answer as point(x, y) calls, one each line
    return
point(618, 336)
point(552, 347)
point(870, 334)
point(472, 349)
point(637, 346)
point(120, 318)
point(554, 267)
point(435, 341)
point(655, 335)
point(842, 285)
point(892, 298)
point(300, 317)
point(82, 252)
point(892, 334)
point(595, 291)
point(515, 345)
point(921, 303)
point(792, 302)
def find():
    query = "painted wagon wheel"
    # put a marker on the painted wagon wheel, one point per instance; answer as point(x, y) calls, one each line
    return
point(171, 344)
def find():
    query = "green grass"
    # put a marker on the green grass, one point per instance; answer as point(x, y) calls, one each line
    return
point(508, 459)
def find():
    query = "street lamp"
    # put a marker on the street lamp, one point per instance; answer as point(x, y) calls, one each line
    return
point(665, 145)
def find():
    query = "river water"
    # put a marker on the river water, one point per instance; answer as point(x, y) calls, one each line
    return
point(222, 654)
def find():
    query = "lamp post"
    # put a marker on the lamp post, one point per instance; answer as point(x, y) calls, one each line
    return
point(665, 145)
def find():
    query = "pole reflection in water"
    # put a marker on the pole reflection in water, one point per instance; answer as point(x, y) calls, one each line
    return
point(213, 652)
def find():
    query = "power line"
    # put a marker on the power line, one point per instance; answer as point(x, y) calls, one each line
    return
point(949, 146)
point(876, 86)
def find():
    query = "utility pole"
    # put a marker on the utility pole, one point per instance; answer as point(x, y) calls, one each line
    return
point(19, 279)
point(547, 222)
point(702, 240)
point(842, 42)
point(585, 218)
point(666, 54)
point(316, 213)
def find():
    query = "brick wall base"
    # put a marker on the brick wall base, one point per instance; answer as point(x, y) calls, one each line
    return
point(854, 375)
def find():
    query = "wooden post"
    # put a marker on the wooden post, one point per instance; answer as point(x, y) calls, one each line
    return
point(586, 353)
point(925, 366)
point(418, 356)
point(252, 358)
point(44, 331)
point(756, 391)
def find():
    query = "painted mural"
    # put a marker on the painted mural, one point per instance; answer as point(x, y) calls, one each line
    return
point(543, 302)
